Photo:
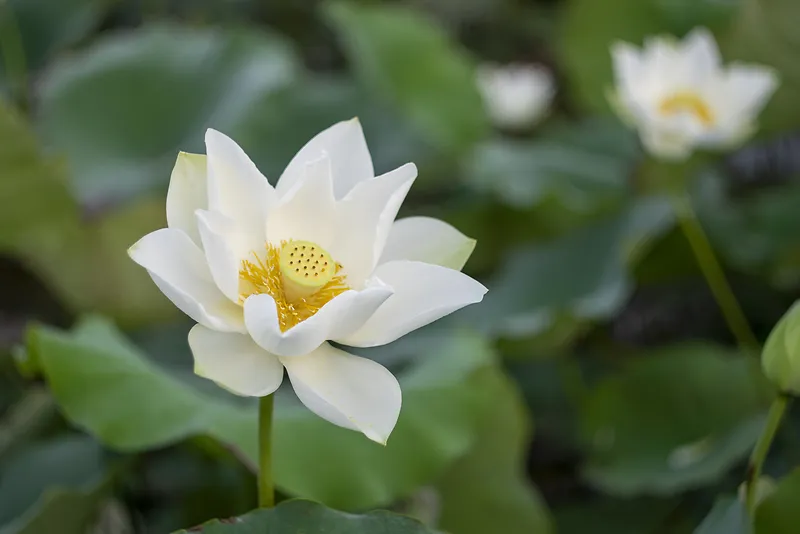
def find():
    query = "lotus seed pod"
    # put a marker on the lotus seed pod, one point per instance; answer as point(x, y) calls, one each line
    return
point(305, 268)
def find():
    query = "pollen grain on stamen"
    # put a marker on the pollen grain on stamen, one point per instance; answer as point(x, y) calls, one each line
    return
point(262, 275)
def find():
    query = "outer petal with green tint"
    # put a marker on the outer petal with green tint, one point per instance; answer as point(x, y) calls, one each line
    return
point(187, 193)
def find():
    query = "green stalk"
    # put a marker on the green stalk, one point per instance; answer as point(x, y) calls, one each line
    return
point(737, 322)
point(266, 489)
point(756, 463)
point(713, 273)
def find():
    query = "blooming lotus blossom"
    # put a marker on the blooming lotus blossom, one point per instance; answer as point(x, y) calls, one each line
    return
point(271, 274)
point(680, 96)
point(516, 96)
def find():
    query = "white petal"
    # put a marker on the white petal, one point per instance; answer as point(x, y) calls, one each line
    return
point(423, 293)
point(347, 390)
point(749, 87)
point(226, 245)
point(340, 317)
point(187, 193)
point(309, 211)
point(666, 69)
point(700, 49)
point(236, 188)
point(515, 95)
point(637, 85)
point(660, 51)
point(178, 268)
point(365, 218)
point(351, 162)
point(234, 362)
point(727, 136)
point(428, 240)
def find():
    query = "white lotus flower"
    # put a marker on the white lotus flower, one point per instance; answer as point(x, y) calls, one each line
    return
point(272, 274)
point(680, 96)
point(516, 96)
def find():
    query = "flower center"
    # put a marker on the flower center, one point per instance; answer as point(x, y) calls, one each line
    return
point(300, 276)
point(305, 268)
point(687, 102)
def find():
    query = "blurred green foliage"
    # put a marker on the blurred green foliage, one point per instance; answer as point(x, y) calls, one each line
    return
point(594, 390)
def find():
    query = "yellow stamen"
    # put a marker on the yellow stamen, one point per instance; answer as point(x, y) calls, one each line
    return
point(301, 276)
point(687, 102)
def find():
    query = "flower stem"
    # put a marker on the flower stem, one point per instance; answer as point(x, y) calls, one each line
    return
point(776, 412)
point(714, 275)
point(266, 489)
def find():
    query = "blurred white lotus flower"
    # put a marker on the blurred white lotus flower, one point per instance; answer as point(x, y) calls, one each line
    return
point(272, 274)
point(516, 96)
point(680, 96)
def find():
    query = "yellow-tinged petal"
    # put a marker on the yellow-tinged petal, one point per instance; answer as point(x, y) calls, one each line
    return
point(187, 193)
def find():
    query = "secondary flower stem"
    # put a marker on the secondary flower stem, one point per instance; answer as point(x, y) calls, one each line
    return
point(741, 329)
point(714, 275)
point(776, 412)
point(266, 489)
